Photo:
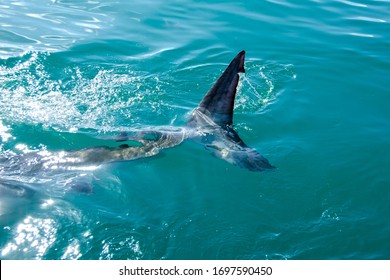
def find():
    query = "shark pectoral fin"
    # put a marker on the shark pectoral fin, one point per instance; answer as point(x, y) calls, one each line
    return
point(250, 159)
point(246, 158)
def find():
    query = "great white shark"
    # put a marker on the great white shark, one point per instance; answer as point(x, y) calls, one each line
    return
point(211, 122)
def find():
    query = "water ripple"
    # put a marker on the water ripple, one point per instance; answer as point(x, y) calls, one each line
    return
point(49, 27)
point(354, 4)
point(367, 19)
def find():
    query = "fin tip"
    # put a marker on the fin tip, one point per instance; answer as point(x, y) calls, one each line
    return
point(241, 55)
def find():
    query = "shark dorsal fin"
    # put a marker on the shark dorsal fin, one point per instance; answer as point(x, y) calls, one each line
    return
point(218, 103)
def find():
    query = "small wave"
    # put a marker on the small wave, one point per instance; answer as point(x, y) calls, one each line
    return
point(354, 4)
point(361, 35)
point(367, 19)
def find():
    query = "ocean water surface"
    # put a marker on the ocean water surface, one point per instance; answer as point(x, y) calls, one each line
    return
point(314, 101)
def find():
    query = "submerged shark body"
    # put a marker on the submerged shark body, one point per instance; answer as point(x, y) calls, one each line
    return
point(211, 122)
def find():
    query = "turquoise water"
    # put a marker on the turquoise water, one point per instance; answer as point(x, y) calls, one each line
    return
point(314, 101)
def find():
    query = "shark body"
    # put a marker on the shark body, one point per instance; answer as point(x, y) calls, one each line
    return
point(211, 122)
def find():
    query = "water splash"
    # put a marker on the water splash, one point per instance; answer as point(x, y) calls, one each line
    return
point(264, 83)
point(5, 134)
point(71, 97)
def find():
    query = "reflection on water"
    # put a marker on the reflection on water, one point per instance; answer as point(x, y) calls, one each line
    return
point(33, 235)
point(48, 25)
point(32, 238)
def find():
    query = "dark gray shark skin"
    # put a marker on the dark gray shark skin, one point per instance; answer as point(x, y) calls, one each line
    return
point(214, 117)
point(211, 122)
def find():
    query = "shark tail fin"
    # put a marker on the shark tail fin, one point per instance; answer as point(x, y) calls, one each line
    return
point(218, 103)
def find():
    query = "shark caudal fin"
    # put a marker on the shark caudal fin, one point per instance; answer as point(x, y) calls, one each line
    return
point(218, 103)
